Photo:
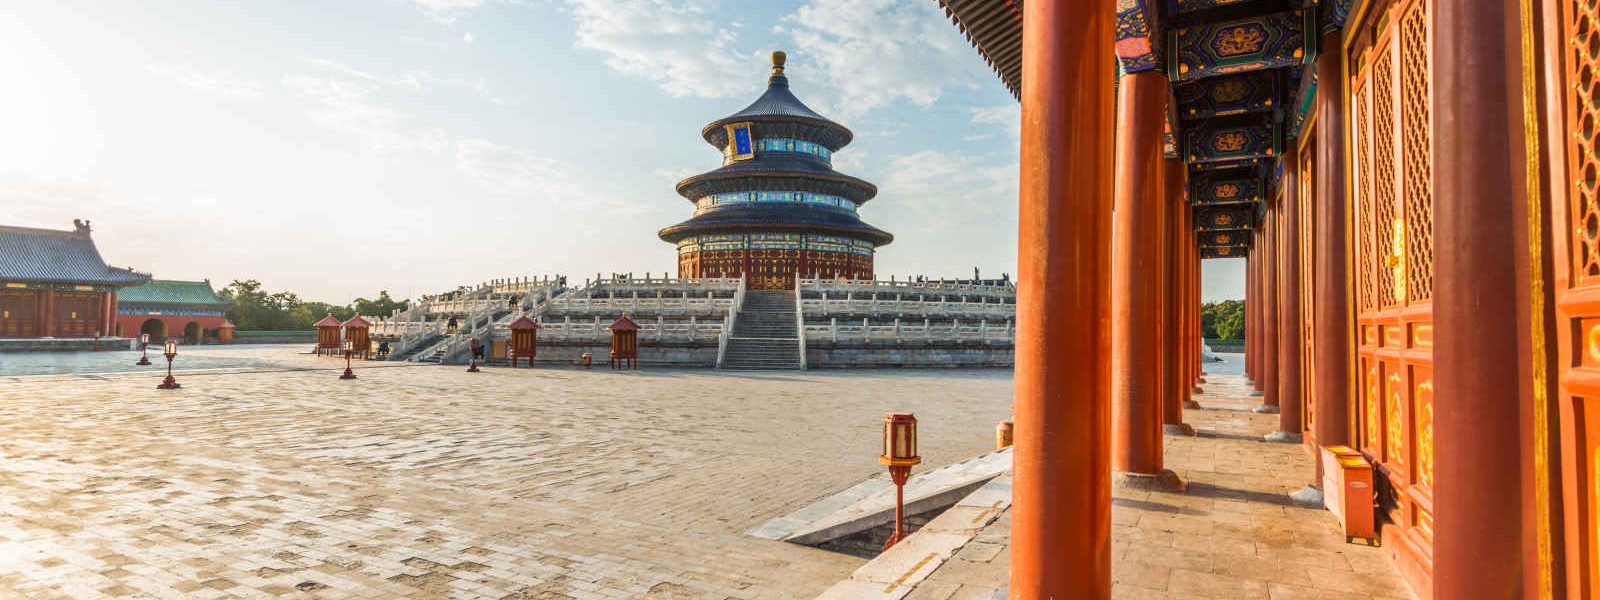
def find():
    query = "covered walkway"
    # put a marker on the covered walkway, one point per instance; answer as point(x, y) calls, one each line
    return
point(1233, 534)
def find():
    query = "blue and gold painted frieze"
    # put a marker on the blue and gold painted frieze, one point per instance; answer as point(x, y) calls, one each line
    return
point(1230, 95)
point(1229, 142)
point(1189, 6)
point(1253, 44)
point(1224, 251)
point(774, 241)
point(1135, 36)
point(1224, 238)
point(1226, 217)
point(1234, 186)
point(1304, 102)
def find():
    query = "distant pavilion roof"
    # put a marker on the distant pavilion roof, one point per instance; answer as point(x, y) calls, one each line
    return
point(328, 321)
point(358, 321)
point(167, 291)
point(52, 256)
point(778, 217)
point(994, 27)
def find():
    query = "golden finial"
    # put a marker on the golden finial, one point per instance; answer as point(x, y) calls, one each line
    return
point(777, 62)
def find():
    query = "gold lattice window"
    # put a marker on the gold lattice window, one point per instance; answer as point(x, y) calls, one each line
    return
point(1418, 156)
point(1383, 172)
point(1366, 261)
point(1583, 121)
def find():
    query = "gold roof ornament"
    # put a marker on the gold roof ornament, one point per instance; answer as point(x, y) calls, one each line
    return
point(777, 61)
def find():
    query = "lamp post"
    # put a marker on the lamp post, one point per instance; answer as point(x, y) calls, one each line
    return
point(172, 352)
point(144, 349)
point(473, 366)
point(97, 341)
point(900, 453)
point(349, 349)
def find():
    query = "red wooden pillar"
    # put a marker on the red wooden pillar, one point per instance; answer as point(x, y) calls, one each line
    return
point(1331, 324)
point(1175, 355)
point(47, 326)
point(1253, 302)
point(1267, 382)
point(1138, 265)
point(1287, 328)
point(1061, 494)
point(1479, 362)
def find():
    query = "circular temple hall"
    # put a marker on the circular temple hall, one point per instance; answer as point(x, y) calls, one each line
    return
point(776, 209)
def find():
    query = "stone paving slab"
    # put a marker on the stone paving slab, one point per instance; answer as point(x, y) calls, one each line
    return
point(430, 482)
point(1233, 535)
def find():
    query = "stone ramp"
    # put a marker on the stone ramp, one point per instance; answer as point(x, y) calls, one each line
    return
point(871, 503)
point(966, 529)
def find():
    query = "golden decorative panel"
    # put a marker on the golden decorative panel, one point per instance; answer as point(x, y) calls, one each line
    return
point(1416, 135)
point(1394, 418)
point(1422, 335)
point(1372, 435)
point(1422, 380)
point(1589, 341)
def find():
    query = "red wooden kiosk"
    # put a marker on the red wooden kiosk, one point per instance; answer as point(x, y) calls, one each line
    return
point(225, 332)
point(328, 338)
point(624, 343)
point(524, 340)
point(356, 331)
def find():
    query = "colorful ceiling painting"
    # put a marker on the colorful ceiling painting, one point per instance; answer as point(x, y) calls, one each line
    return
point(1263, 42)
point(1230, 95)
point(1217, 218)
point(1232, 186)
point(1135, 36)
point(1216, 143)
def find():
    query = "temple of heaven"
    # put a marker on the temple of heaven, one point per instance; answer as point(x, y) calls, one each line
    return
point(776, 208)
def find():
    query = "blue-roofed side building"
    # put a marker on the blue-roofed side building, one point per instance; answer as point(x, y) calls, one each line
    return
point(54, 284)
point(776, 209)
point(166, 308)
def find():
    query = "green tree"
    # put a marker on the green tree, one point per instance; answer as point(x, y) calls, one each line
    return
point(256, 309)
point(1222, 320)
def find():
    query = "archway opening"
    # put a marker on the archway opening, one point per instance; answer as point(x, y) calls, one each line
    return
point(191, 333)
point(156, 328)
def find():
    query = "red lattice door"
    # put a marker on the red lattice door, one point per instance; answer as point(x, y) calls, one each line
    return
point(1392, 176)
point(1308, 291)
point(1576, 222)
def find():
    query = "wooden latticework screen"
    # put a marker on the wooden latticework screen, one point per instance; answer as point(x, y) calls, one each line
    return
point(1576, 224)
point(1393, 193)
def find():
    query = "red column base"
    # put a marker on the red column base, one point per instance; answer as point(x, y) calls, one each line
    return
point(169, 384)
point(348, 374)
point(473, 368)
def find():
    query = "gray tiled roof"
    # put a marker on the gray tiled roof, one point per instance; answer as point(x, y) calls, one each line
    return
point(775, 215)
point(48, 255)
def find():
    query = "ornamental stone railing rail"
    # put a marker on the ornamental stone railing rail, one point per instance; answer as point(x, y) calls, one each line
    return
point(900, 330)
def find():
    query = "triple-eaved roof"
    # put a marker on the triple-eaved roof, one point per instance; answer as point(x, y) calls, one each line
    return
point(52, 256)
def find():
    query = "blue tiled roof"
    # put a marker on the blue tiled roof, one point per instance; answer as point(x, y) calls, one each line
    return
point(48, 255)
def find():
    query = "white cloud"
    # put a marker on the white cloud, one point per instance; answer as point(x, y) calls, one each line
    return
point(447, 11)
point(468, 38)
point(948, 189)
point(673, 44)
point(1007, 116)
point(349, 100)
point(212, 83)
point(875, 52)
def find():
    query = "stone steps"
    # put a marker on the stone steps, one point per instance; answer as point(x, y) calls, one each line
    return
point(765, 337)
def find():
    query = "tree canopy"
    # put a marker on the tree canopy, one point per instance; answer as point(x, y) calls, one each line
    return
point(1222, 320)
point(256, 309)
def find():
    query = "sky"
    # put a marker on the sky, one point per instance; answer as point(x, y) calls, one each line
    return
point(335, 149)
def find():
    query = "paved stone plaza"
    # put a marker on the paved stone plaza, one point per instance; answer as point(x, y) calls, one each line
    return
point(423, 481)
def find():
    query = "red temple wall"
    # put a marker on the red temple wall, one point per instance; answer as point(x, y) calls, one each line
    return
point(171, 326)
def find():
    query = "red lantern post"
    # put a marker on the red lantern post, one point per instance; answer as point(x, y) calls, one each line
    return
point(349, 349)
point(900, 453)
point(172, 352)
point(624, 343)
point(144, 350)
point(524, 340)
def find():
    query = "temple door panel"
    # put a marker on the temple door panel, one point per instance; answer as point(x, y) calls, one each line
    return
point(19, 314)
point(1575, 219)
point(1307, 290)
point(77, 314)
point(1392, 176)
